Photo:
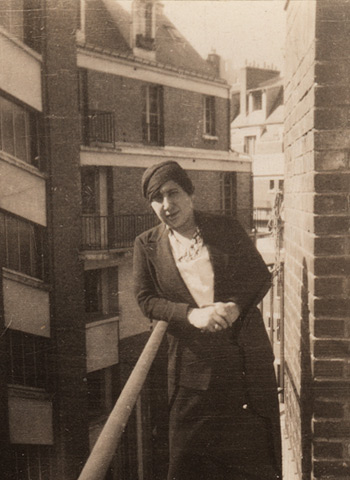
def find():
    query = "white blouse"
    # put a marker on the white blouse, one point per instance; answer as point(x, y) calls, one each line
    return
point(193, 262)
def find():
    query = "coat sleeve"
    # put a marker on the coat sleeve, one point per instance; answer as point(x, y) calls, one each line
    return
point(249, 272)
point(152, 303)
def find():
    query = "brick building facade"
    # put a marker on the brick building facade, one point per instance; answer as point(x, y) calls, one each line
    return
point(90, 97)
point(317, 188)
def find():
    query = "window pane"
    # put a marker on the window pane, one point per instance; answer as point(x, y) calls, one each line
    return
point(95, 385)
point(3, 255)
point(28, 358)
point(12, 243)
point(17, 358)
point(21, 134)
point(209, 112)
point(257, 100)
point(25, 234)
point(89, 190)
point(8, 144)
point(93, 291)
point(29, 361)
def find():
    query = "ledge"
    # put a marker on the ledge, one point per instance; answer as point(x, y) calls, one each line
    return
point(25, 279)
point(211, 138)
point(23, 391)
point(16, 162)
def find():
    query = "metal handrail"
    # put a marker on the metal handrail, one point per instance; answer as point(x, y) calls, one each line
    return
point(101, 456)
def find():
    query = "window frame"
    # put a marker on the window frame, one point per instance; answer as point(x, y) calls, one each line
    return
point(31, 143)
point(249, 140)
point(28, 359)
point(228, 193)
point(257, 100)
point(209, 116)
point(12, 257)
point(148, 115)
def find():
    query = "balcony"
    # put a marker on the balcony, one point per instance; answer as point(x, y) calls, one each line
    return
point(113, 232)
point(98, 128)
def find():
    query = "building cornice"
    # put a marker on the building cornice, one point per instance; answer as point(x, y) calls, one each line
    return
point(143, 157)
point(124, 65)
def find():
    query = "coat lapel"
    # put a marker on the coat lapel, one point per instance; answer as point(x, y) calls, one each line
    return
point(218, 258)
point(164, 263)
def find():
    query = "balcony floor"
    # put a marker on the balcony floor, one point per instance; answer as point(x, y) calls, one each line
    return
point(288, 462)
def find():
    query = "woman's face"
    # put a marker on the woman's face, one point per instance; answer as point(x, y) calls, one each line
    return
point(174, 207)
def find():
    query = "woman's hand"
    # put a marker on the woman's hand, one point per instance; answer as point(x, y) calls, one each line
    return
point(229, 310)
point(215, 317)
point(207, 319)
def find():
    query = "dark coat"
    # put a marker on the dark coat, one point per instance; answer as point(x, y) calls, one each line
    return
point(240, 275)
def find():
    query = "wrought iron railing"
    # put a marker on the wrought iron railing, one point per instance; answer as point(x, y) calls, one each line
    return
point(106, 232)
point(261, 218)
point(98, 127)
point(110, 232)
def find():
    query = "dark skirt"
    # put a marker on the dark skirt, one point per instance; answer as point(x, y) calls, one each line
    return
point(216, 435)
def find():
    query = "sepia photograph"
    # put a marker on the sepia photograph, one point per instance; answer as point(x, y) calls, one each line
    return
point(175, 239)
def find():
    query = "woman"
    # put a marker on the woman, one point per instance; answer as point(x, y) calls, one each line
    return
point(202, 274)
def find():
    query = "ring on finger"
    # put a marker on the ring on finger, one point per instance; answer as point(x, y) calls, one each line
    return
point(217, 326)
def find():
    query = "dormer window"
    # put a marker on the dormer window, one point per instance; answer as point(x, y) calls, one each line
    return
point(257, 100)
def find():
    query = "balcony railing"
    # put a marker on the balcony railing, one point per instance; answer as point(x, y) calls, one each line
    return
point(110, 436)
point(261, 218)
point(98, 127)
point(107, 443)
point(110, 232)
point(107, 232)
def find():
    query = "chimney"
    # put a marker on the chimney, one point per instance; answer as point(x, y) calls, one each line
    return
point(243, 89)
point(144, 28)
point(215, 60)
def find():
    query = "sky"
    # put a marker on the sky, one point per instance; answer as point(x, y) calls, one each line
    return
point(241, 31)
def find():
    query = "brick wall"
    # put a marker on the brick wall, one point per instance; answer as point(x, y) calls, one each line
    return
point(317, 192)
point(183, 112)
point(64, 231)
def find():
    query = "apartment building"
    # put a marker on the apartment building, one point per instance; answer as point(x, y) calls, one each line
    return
point(90, 96)
point(257, 130)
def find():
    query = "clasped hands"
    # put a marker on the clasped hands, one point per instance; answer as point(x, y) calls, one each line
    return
point(215, 317)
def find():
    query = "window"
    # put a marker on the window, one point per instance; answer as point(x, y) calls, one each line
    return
point(257, 100)
point(90, 190)
point(228, 183)
point(278, 330)
point(31, 462)
point(101, 291)
point(152, 115)
point(23, 19)
point(19, 132)
point(272, 185)
point(22, 246)
point(100, 392)
point(209, 116)
point(280, 185)
point(249, 144)
point(28, 359)
point(93, 291)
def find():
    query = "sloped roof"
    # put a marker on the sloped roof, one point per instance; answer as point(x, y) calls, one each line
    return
point(273, 82)
point(172, 48)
